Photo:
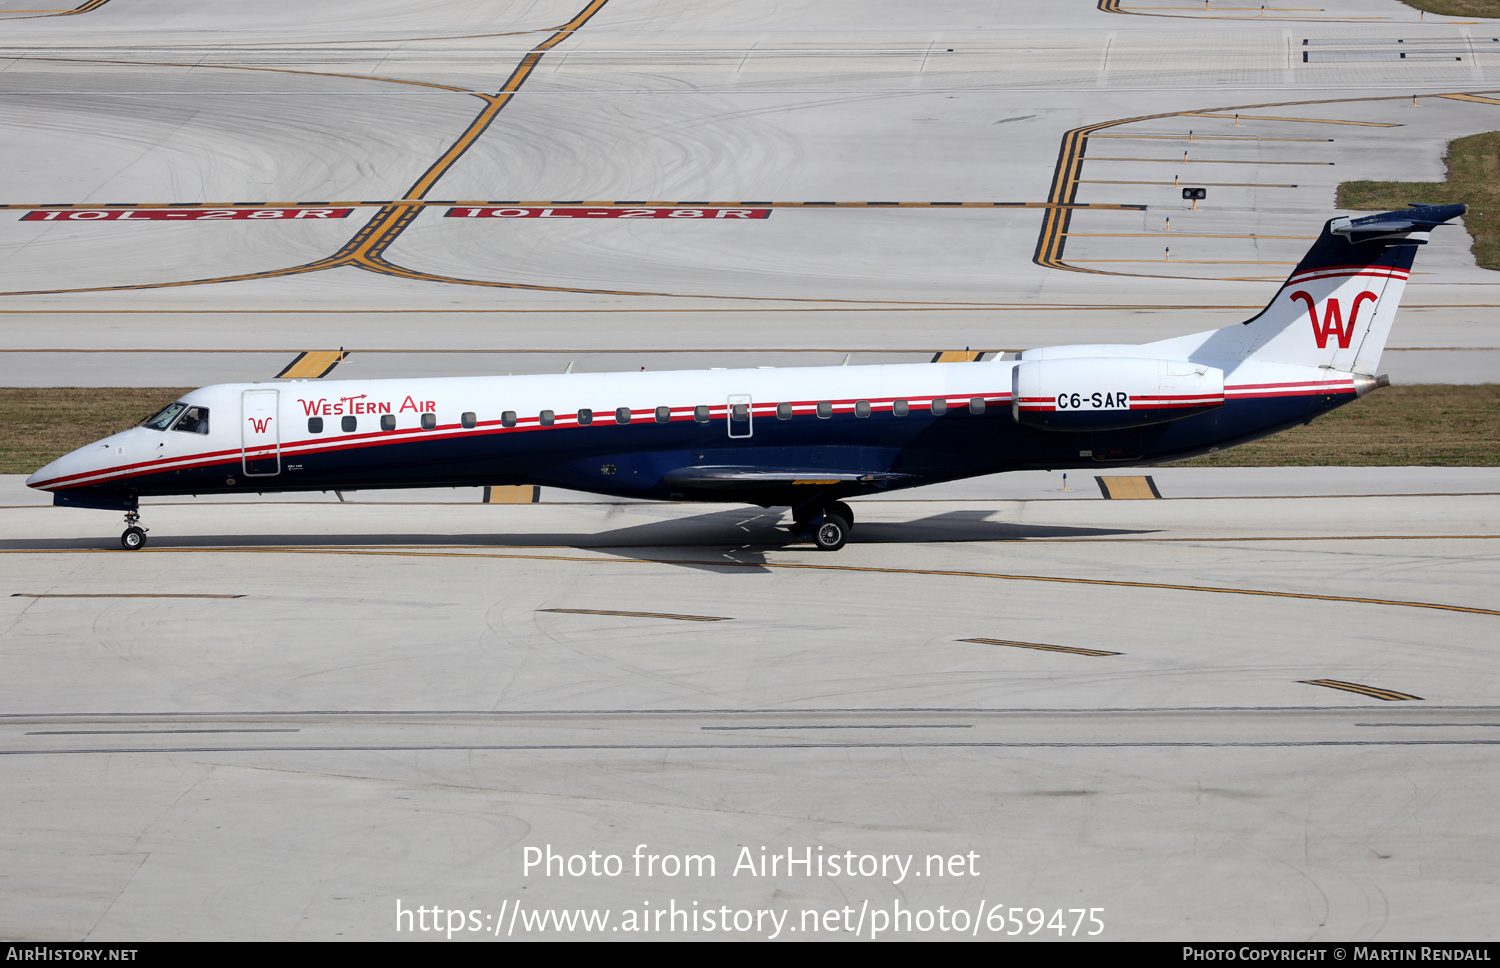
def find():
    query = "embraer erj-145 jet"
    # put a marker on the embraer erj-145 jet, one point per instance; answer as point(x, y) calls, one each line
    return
point(803, 438)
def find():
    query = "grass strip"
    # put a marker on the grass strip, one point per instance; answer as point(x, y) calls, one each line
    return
point(1438, 425)
point(1458, 8)
point(38, 425)
point(1473, 178)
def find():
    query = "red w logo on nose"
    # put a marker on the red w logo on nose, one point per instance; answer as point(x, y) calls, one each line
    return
point(1333, 318)
point(261, 424)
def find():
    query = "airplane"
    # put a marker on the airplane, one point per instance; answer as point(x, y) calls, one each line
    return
point(803, 438)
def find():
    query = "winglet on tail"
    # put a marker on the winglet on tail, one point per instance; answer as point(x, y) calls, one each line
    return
point(1336, 308)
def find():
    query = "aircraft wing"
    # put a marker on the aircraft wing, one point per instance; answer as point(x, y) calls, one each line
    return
point(728, 478)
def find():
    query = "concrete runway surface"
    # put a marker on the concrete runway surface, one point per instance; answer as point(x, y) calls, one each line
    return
point(1262, 707)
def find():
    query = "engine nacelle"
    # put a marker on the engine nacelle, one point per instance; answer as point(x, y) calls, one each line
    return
point(1093, 393)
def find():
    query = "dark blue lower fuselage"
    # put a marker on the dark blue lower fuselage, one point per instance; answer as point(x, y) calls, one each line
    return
point(633, 460)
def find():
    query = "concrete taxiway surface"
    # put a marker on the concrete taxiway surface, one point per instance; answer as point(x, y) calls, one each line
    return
point(1262, 711)
point(1261, 707)
point(405, 125)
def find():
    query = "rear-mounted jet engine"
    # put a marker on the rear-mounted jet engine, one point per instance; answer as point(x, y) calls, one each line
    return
point(1089, 394)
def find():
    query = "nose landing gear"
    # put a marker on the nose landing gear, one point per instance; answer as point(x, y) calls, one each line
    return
point(134, 538)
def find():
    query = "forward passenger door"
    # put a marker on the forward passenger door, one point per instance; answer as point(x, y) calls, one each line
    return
point(260, 433)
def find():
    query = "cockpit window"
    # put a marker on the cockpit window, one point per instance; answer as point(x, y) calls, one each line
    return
point(163, 420)
point(194, 420)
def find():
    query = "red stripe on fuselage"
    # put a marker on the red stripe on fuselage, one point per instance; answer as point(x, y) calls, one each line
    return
point(646, 416)
point(380, 438)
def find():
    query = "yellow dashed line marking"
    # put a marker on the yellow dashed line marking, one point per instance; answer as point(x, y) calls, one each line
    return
point(1203, 137)
point(1471, 97)
point(1265, 117)
point(1211, 161)
point(1044, 648)
point(1198, 262)
point(119, 595)
point(1067, 176)
point(512, 494)
point(1135, 488)
point(721, 563)
point(1177, 235)
point(273, 70)
point(1102, 181)
point(605, 611)
point(57, 12)
point(1387, 694)
point(1254, 13)
point(312, 365)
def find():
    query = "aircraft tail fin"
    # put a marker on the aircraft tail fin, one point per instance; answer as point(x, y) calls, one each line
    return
point(1336, 308)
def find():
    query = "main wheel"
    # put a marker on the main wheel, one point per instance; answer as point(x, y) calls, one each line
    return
point(830, 533)
point(842, 510)
point(134, 539)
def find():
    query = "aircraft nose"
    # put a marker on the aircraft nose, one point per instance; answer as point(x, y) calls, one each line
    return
point(45, 477)
point(57, 474)
point(48, 477)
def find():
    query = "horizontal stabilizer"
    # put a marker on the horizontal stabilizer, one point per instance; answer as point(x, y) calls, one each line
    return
point(725, 478)
point(1410, 227)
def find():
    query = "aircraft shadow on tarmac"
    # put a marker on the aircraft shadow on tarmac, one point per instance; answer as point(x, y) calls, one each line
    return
point(739, 527)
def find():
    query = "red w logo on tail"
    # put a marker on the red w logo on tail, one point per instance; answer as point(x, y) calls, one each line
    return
point(1333, 318)
point(260, 424)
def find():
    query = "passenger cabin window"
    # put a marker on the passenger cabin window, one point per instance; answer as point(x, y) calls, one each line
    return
point(939, 407)
point(663, 414)
point(547, 418)
point(976, 404)
point(429, 421)
point(349, 423)
point(508, 418)
point(622, 415)
point(194, 420)
point(861, 408)
point(783, 411)
point(702, 414)
point(468, 420)
point(900, 408)
point(585, 417)
point(163, 418)
point(387, 421)
point(315, 425)
point(825, 409)
point(740, 412)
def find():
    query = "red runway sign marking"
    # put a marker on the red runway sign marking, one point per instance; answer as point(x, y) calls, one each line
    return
point(725, 213)
point(186, 215)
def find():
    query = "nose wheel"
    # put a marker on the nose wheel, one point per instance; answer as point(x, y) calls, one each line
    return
point(134, 538)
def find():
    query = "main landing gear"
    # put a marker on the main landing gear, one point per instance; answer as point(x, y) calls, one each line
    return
point(134, 538)
point(827, 525)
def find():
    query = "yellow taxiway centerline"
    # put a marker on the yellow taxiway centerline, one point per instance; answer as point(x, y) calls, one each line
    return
point(670, 615)
point(1389, 695)
point(1041, 646)
point(799, 566)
